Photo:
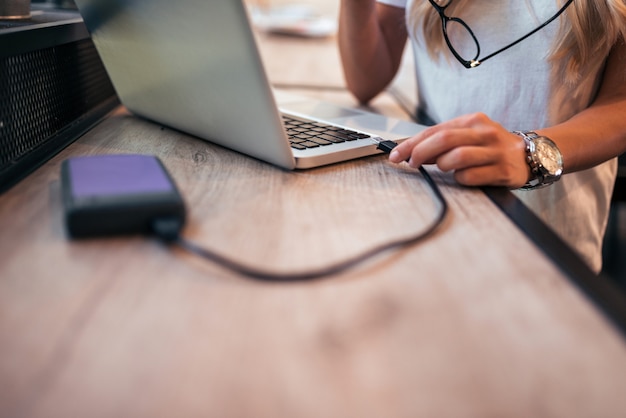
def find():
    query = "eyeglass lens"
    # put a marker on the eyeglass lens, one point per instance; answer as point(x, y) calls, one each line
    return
point(461, 39)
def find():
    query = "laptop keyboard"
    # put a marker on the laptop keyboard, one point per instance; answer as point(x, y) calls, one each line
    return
point(305, 134)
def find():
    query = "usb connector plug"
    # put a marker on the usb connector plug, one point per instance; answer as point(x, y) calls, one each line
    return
point(384, 145)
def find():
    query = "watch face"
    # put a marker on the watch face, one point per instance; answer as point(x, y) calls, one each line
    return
point(548, 156)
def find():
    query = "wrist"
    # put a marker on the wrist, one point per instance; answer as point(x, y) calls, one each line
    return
point(544, 160)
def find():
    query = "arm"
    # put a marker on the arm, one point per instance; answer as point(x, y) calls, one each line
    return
point(481, 152)
point(372, 37)
point(598, 133)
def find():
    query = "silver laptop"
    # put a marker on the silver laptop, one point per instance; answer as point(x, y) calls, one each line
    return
point(193, 65)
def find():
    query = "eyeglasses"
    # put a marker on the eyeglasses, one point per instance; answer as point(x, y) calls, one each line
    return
point(475, 62)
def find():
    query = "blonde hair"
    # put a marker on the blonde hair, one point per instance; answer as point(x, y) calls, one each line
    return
point(584, 40)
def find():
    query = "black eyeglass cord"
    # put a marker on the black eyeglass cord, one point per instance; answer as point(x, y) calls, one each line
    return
point(546, 23)
point(476, 61)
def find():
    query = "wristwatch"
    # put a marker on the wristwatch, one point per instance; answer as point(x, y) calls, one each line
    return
point(543, 158)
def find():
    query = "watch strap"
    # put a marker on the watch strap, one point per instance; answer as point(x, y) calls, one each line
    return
point(539, 177)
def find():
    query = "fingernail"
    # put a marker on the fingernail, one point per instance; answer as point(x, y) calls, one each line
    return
point(394, 156)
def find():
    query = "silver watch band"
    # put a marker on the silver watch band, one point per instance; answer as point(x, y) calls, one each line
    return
point(539, 176)
point(535, 175)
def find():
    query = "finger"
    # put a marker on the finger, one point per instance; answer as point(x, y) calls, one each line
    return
point(433, 147)
point(489, 175)
point(479, 176)
point(472, 129)
point(402, 152)
point(466, 157)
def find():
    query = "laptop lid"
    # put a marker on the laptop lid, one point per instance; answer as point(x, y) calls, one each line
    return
point(194, 65)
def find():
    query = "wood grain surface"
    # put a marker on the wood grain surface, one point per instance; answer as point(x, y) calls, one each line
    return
point(473, 322)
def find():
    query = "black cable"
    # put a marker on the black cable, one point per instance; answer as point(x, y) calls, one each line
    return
point(169, 231)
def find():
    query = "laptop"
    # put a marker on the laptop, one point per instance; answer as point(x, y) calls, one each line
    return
point(193, 65)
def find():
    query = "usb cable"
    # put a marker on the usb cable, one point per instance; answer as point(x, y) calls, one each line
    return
point(168, 230)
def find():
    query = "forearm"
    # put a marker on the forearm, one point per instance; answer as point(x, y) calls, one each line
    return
point(370, 53)
point(598, 133)
point(593, 136)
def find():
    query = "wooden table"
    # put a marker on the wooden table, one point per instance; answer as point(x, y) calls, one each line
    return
point(462, 324)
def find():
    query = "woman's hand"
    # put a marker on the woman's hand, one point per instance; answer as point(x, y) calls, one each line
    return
point(479, 151)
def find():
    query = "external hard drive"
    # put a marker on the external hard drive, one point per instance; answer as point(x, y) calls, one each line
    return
point(118, 194)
